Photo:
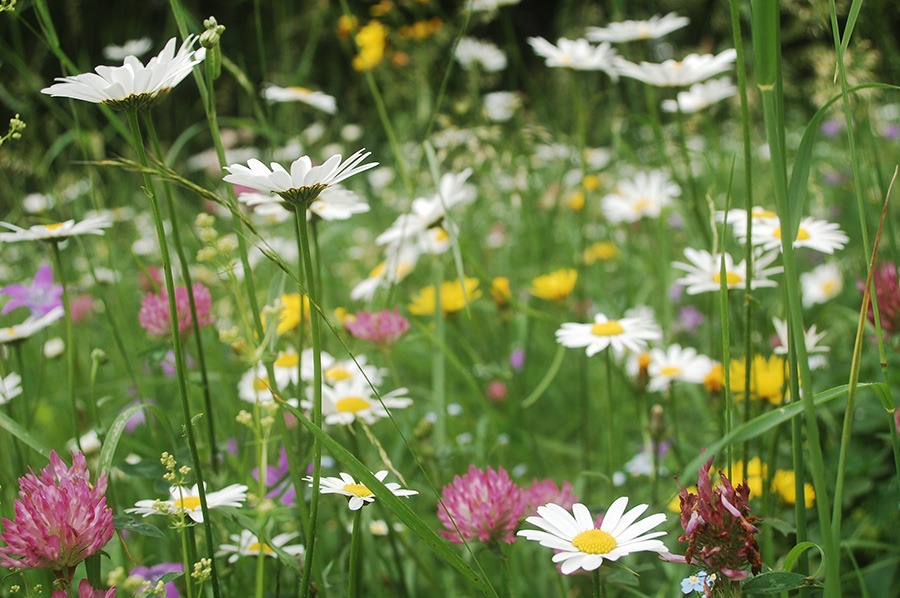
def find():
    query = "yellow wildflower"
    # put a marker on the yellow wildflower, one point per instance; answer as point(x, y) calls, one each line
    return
point(555, 286)
point(590, 182)
point(575, 201)
point(292, 312)
point(714, 381)
point(454, 297)
point(784, 484)
point(371, 40)
point(500, 290)
point(754, 473)
point(767, 378)
point(600, 252)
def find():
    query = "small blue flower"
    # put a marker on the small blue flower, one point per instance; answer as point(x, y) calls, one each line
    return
point(697, 582)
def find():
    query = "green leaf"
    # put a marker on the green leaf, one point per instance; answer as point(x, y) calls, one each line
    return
point(762, 424)
point(395, 504)
point(884, 395)
point(13, 427)
point(775, 582)
point(171, 576)
point(791, 559)
point(114, 434)
point(92, 569)
point(123, 522)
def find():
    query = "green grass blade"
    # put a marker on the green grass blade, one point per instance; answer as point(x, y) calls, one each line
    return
point(13, 427)
point(114, 434)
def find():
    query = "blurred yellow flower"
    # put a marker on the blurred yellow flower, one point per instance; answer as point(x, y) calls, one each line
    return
point(500, 290)
point(555, 286)
point(371, 40)
point(767, 378)
point(346, 25)
point(575, 201)
point(714, 381)
point(590, 182)
point(343, 316)
point(784, 484)
point(420, 29)
point(291, 312)
point(454, 297)
point(675, 504)
point(754, 473)
point(600, 252)
point(382, 8)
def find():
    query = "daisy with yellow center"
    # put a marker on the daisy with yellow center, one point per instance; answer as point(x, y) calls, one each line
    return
point(704, 271)
point(454, 297)
point(186, 501)
point(821, 284)
point(353, 399)
point(584, 546)
point(248, 544)
point(359, 494)
point(819, 235)
point(630, 333)
point(642, 196)
point(56, 231)
point(554, 286)
point(30, 326)
point(676, 363)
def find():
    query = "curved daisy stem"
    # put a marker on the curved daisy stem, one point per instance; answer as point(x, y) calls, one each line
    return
point(189, 286)
point(70, 345)
point(180, 371)
point(355, 556)
point(312, 291)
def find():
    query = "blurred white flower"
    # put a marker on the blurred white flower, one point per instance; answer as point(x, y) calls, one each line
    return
point(317, 99)
point(627, 31)
point(471, 52)
point(700, 96)
point(133, 47)
point(821, 284)
point(693, 68)
point(577, 54)
point(500, 106)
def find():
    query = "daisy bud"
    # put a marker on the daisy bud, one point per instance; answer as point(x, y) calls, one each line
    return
point(209, 39)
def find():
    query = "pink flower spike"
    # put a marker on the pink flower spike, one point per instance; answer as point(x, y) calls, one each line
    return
point(485, 506)
point(383, 328)
point(60, 519)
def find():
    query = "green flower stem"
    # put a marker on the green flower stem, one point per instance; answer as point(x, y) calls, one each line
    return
point(307, 270)
point(188, 283)
point(185, 556)
point(595, 582)
point(439, 363)
point(70, 343)
point(262, 462)
point(767, 48)
point(610, 425)
point(180, 370)
point(355, 556)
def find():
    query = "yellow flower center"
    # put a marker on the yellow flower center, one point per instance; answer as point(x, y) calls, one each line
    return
point(351, 404)
point(188, 503)
point(610, 328)
point(357, 490)
point(260, 547)
point(300, 89)
point(641, 204)
point(377, 270)
point(764, 214)
point(337, 373)
point(802, 234)
point(594, 541)
point(670, 370)
point(731, 278)
point(260, 384)
point(55, 226)
point(828, 286)
point(10, 331)
point(287, 360)
point(440, 234)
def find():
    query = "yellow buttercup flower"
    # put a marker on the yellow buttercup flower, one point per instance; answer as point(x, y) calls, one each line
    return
point(768, 378)
point(575, 201)
point(590, 182)
point(292, 312)
point(500, 290)
point(600, 251)
point(784, 484)
point(454, 297)
point(371, 40)
point(555, 286)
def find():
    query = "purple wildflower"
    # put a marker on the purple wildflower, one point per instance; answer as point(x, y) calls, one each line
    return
point(40, 297)
point(718, 526)
point(485, 506)
point(830, 128)
point(60, 519)
point(517, 359)
point(152, 574)
point(278, 480)
point(383, 328)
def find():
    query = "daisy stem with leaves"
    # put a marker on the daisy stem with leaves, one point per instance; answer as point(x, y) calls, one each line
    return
point(70, 345)
point(306, 275)
point(180, 370)
point(188, 283)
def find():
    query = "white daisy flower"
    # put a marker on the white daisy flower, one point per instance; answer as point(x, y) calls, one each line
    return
point(335, 371)
point(703, 271)
point(56, 231)
point(10, 387)
point(317, 99)
point(489, 5)
point(334, 203)
point(628, 31)
point(644, 195)
point(811, 338)
point(701, 96)
point(583, 545)
point(821, 284)
point(133, 47)
point(399, 262)
point(737, 219)
point(626, 334)
point(30, 326)
point(358, 493)
point(500, 106)
point(577, 54)
point(820, 235)
point(471, 52)
point(676, 363)
point(304, 182)
point(353, 399)
point(254, 385)
point(132, 85)
point(248, 544)
point(693, 68)
point(186, 501)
